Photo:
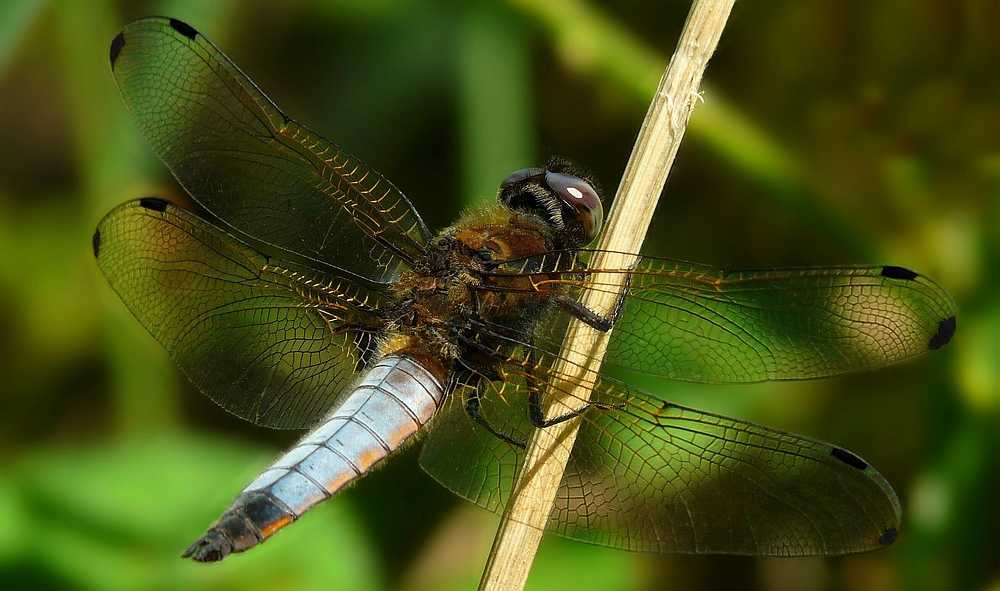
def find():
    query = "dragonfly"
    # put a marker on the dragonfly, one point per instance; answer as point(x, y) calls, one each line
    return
point(307, 293)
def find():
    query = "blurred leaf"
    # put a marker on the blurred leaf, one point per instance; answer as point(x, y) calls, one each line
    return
point(591, 42)
point(454, 555)
point(14, 527)
point(495, 95)
point(361, 9)
point(16, 17)
point(570, 566)
point(117, 515)
point(112, 160)
point(978, 361)
point(953, 542)
point(49, 278)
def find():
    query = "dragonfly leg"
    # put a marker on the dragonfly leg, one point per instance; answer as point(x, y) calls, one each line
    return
point(473, 407)
point(537, 415)
point(535, 412)
point(588, 316)
point(538, 419)
point(583, 313)
point(620, 304)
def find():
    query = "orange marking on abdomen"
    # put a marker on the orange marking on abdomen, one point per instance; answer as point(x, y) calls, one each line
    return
point(339, 481)
point(396, 437)
point(268, 529)
point(367, 458)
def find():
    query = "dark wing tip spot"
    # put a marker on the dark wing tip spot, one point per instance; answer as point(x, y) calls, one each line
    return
point(893, 272)
point(96, 243)
point(116, 47)
point(183, 28)
point(154, 203)
point(848, 458)
point(888, 536)
point(946, 329)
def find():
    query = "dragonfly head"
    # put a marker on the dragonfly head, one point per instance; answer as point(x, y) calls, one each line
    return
point(565, 198)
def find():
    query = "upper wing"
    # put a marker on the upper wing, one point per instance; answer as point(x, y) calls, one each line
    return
point(270, 341)
point(703, 324)
point(652, 476)
point(246, 162)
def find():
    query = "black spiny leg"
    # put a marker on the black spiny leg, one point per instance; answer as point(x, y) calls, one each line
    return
point(588, 316)
point(537, 416)
point(584, 314)
point(538, 419)
point(592, 319)
point(473, 408)
point(473, 401)
point(535, 412)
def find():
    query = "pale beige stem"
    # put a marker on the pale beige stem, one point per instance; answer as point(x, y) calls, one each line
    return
point(659, 138)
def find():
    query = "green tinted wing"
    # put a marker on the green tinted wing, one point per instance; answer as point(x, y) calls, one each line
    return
point(703, 324)
point(272, 342)
point(652, 476)
point(240, 157)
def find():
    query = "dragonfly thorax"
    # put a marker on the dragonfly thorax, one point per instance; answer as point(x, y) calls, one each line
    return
point(447, 296)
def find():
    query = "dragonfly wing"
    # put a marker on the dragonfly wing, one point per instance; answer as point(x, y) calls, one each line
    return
point(254, 168)
point(703, 324)
point(270, 341)
point(651, 476)
point(466, 458)
point(661, 477)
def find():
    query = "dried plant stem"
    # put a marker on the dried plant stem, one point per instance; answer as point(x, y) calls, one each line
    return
point(659, 138)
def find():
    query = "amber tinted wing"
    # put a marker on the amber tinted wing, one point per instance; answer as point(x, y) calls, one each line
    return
point(704, 324)
point(653, 476)
point(272, 342)
point(246, 162)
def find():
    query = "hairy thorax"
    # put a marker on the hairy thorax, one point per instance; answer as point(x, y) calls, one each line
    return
point(452, 292)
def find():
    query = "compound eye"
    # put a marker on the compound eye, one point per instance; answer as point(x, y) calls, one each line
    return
point(519, 175)
point(582, 199)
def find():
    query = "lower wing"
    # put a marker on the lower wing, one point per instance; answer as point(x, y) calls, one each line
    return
point(652, 476)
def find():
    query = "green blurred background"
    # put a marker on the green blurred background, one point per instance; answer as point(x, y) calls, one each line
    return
point(832, 132)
